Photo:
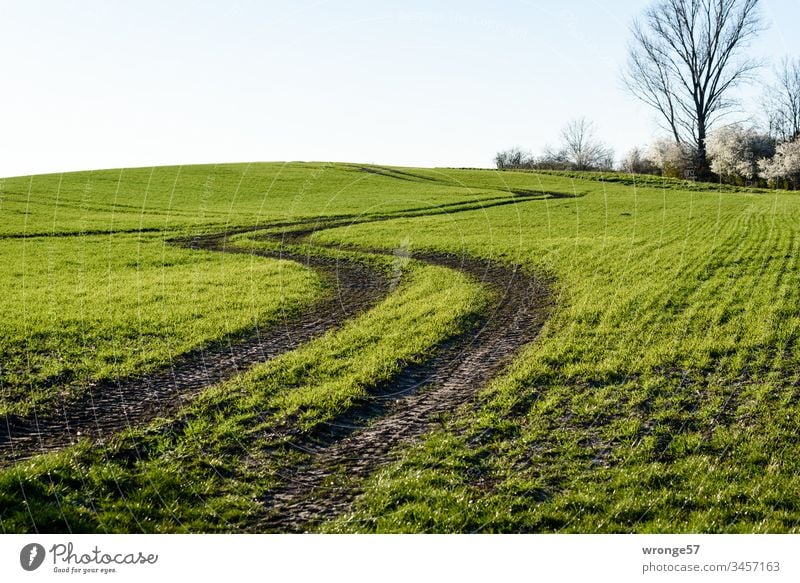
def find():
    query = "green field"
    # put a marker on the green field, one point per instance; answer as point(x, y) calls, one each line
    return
point(662, 395)
point(86, 308)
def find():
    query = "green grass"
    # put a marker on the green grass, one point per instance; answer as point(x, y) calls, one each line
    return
point(196, 197)
point(90, 289)
point(653, 181)
point(206, 470)
point(82, 309)
point(662, 395)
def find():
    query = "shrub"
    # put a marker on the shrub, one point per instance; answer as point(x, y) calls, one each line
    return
point(784, 168)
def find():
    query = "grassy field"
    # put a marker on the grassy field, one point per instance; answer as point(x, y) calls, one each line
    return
point(205, 470)
point(663, 394)
point(82, 309)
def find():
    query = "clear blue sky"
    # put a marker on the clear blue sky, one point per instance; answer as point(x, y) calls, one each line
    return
point(95, 84)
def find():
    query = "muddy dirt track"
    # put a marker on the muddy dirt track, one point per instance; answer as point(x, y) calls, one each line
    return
point(402, 410)
point(350, 448)
point(108, 407)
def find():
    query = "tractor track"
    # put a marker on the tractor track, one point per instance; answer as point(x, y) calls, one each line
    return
point(342, 453)
point(400, 411)
point(107, 407)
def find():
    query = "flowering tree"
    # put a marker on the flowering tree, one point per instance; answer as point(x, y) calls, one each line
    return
point(735, 151)
point(637, 162)
point(784, 166)
point(675, 160)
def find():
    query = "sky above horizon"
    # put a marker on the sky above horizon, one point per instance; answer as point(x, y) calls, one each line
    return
point(101, 84)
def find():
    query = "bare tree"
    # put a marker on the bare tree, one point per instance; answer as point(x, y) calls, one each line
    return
point(512, 158)
point(783, 102)
point(581, 149)
point(684, 60)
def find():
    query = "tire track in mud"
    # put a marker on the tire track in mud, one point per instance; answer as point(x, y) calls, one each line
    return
point(110, 406)
point(106, 407)
point(349, 449)
point(398, 412)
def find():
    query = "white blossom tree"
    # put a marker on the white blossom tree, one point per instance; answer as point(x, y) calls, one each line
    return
point(785, 165)
point(674, 159)
point(735, 151)
point(637, 162)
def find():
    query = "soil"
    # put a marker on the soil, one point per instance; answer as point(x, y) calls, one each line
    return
point(412, 404)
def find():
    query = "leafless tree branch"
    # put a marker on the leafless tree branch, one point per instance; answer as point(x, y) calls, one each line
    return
point(783, 102)
point(686, 57)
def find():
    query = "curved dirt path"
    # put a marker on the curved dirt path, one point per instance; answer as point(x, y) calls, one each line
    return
point(108, 407)
point(402, 410)
point(352, 447)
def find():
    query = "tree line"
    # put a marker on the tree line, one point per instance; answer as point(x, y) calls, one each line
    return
point(684, 60)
